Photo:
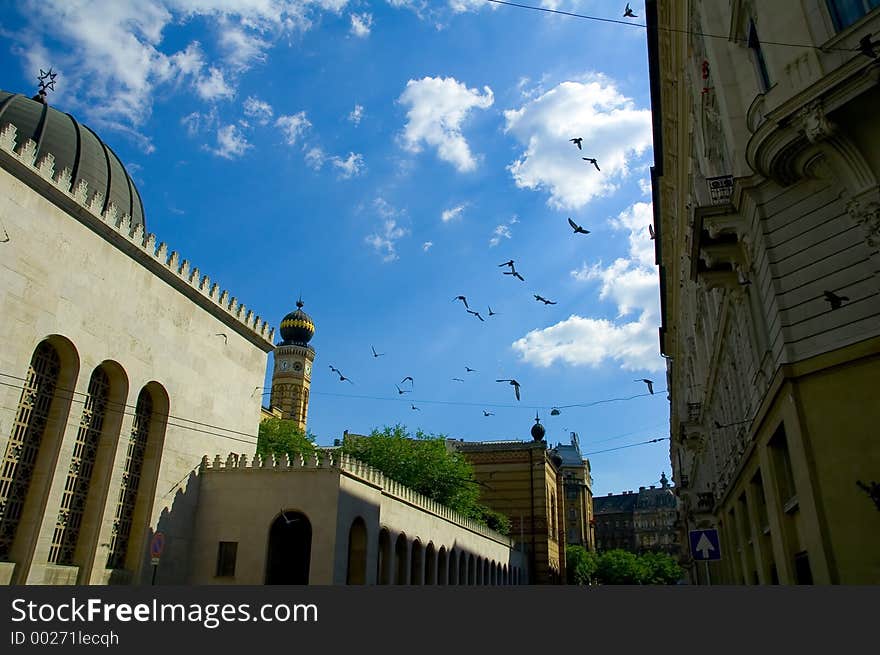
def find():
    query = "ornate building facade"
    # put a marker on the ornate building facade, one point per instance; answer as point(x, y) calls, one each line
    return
point(577, 487)
point(767, 215)
point(642, 521)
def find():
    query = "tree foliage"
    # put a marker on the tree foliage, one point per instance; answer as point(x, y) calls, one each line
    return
point(580, 565)
point(427, 465)
point(620, 567)
point(283, 436)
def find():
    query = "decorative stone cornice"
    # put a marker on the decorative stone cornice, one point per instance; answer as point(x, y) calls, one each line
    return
point(814, 122)
point(116, 228)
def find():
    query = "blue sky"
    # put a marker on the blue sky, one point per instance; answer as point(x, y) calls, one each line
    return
point(381, 158)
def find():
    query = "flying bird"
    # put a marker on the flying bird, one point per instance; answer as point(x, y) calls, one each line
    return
point(402, 391)
point(485, 413)
point(470, 370)
point(342, 378)
point(651, 231)
point(544, 300)
point(515, 274)
point(457, 380)
point(628, 13)
point(592, 161)
point(577, 228)
point(225, 338)
point(375, 354)
point(415, 408)
point(577, 141)
point(514, 384)
point(555, 412)
point(411, 381)
point(509, 262)
point(463, 299)
point(287, 520)
point(835, 300)
point(477, 314)
point(866, 47)
point(648, 382)
point(332, 368)
point(491, 313)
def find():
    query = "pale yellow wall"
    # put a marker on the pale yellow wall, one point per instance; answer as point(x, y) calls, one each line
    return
point(91, 285)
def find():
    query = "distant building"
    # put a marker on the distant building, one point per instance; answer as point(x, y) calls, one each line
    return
point(523, 480)
point(640, 521)
point(577, 484)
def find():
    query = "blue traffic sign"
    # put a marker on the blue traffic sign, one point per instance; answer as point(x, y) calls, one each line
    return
point(705, 545)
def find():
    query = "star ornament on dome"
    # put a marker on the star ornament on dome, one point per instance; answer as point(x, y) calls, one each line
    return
point(47, 80)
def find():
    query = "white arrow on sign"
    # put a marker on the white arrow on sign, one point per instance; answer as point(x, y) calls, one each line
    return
point(704, 546)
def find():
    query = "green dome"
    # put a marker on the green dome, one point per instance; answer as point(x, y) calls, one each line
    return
point(74, 147)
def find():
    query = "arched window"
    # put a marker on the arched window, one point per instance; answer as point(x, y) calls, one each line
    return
point(443, 568)
point(401, 552)
point(384, 561)
point(357, 553)
point(416, 563)
point(141, 469)
point(430, 564)
point(471, 570)
point(34, 443)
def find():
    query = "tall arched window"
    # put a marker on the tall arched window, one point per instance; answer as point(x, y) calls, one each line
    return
point(37, 429)
point(79, 473)
point(384, 560)
point(141, 469)
point(357, 553)
point(401, 552)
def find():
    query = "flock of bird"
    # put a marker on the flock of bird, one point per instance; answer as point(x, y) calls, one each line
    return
point(510, 265)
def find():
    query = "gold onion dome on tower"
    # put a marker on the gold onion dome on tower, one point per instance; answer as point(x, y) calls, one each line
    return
point(297, 328)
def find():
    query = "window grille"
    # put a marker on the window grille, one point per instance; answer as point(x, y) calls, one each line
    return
point(134, 463)
point(24, 442)
point(79, 475)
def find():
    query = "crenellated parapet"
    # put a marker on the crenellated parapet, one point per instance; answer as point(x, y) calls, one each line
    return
point(331, 461)
point(143, 247)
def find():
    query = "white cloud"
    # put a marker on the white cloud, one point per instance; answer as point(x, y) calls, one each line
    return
point(385, 240)
point(502, 231)
point(351, 166)
point(242, 47)
point(214, 86)
point(231, 143)
point(453, 213)
point(645, 186)
point(631, 283)
point(259, 110)
point(436, 109)
point(427, 246)
point(198, 122)
point(315, 158)
point(357, 114)
point(293, 126)
point(361, 24)
point(114, 55)
point(613, 129)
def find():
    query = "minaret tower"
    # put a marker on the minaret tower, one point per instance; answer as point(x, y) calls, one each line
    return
point(292, 375)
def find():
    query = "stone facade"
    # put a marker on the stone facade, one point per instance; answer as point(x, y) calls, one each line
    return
point(638, 521)
point(765, 199)
point(577, 486)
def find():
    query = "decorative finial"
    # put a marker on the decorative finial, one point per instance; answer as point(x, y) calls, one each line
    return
point(300, 303)
point(47, 83)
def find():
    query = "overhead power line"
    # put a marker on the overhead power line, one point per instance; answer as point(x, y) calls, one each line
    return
point(628, 23)
point(631, 445)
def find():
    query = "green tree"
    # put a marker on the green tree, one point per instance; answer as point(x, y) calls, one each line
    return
point(660, 568)
point(619, 567)
point(282, 436)
point(427, 465)
point(580, 565)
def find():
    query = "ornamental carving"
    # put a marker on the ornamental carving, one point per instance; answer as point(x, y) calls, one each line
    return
point(866, 212)
point(814, 122)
